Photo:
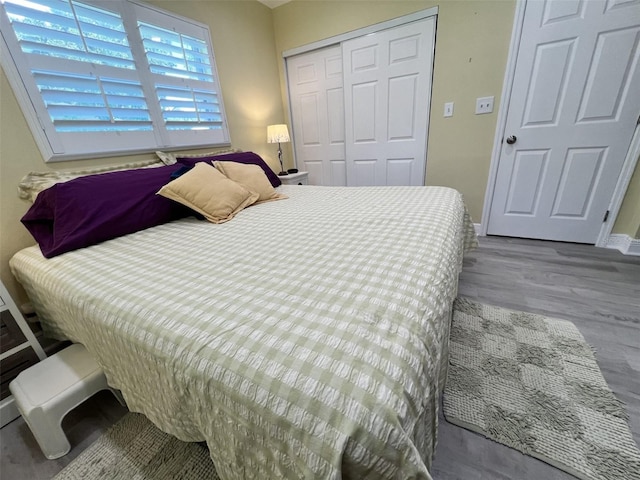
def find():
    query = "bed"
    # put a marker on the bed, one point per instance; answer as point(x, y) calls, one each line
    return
point(306, 338)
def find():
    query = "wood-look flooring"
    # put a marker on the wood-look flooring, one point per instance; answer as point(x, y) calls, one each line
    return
point(597, 289)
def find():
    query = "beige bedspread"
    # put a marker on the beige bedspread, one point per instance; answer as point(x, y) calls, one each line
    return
point(306, 338)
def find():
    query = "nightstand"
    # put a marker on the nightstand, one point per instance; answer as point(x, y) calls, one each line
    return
point(19, 350)
point(300, 178)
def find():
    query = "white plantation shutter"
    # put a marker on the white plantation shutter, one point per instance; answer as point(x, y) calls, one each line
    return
point(70, 30)
point(184, 78)
point(112, 77)
point(174, 54)
point(186, 108)
point(83, 103)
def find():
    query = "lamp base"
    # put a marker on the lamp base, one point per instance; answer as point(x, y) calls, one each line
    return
point(283, 173)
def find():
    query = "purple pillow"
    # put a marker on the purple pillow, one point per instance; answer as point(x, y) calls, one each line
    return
point(95, 208)
point(240, 157)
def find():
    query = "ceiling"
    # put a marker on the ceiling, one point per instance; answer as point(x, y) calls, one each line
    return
point(273, 3)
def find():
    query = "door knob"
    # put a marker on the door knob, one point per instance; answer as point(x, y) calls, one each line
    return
point(511, 139)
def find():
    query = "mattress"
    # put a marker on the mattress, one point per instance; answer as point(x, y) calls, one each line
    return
point(306, 338)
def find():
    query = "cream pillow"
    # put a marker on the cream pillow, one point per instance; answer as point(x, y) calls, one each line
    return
point(252, 177)
point(207, 191)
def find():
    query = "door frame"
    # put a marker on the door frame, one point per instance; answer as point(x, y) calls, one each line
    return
point(507, 87)
point(337, 39)
point(376, 27)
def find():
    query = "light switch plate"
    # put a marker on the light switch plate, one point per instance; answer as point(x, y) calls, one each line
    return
point(448, 109)
point(484, 105)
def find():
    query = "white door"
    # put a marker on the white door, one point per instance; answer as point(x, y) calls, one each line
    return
point(317, 108)
point(387, 91)
point(573, 110)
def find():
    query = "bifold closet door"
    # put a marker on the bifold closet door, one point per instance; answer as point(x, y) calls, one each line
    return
point(317, 108)
point(360, 109)
point(387, 91)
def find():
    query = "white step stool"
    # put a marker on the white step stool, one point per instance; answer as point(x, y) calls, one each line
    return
point(45, 392)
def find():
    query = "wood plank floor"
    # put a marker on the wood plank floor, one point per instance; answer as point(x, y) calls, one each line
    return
point(597, 289)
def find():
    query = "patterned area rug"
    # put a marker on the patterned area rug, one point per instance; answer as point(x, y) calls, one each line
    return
point(134, 449)
point(532, 383)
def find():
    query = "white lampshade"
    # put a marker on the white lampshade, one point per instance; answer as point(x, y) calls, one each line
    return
point(277, 134)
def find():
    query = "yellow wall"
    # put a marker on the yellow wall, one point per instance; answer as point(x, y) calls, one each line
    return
point(471, 50)
point(243, 40)
point(472, 45)
point(628, 221)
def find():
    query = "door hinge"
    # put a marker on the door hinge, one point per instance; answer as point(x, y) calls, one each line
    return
point(606, 216)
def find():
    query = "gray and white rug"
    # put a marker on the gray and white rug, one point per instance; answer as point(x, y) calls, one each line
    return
point(532, 383)
point(134, 449)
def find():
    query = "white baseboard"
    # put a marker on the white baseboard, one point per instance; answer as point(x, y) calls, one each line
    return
point(624, 243)
point(478, 228)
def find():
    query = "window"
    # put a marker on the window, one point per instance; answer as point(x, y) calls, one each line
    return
point(106, 78)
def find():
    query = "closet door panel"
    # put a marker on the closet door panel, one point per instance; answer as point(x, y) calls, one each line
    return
point(309, 119)
point(360, 110)
point(364, 98)
point(387, 88)
point(403, 93)
point(335, 115)
point(338, 173)
point(317, 107)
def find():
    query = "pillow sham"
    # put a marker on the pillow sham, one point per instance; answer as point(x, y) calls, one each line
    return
point(35, 182)
point(240, 157)
point(89, 210)
point(170, 158)
point(251, 177)
point(207, 191)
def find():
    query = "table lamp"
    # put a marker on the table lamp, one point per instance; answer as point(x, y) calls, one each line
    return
point(278, 134)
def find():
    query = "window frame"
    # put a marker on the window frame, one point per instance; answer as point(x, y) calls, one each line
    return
point(63, 146)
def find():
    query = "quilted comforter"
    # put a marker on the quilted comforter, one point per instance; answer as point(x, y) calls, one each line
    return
point(306, 338)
